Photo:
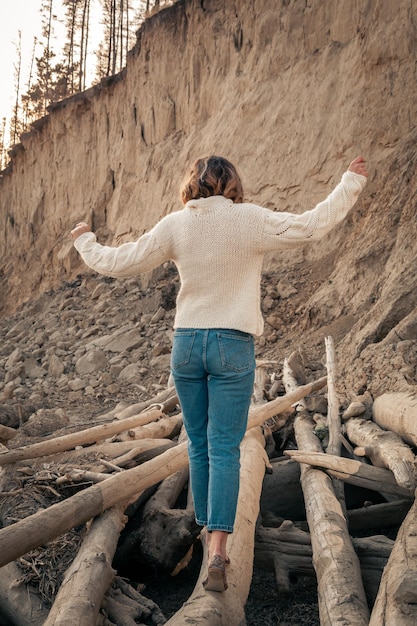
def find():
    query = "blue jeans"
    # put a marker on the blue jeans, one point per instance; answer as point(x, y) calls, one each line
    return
point(213, 371)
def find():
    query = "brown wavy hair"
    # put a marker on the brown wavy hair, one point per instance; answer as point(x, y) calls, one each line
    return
point(212, 176)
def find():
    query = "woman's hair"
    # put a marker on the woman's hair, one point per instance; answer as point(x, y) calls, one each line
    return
point(212, 176)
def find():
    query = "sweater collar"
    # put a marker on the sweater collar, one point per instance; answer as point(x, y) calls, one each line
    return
point(206, 204)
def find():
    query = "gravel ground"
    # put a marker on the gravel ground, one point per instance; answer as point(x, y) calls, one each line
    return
point(265, 606)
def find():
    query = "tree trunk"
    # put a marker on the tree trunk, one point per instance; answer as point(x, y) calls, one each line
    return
point(67, 442)
point(396, 602)
point(87, 579)
point(355, 472)
point(397, 412)
point(334, 421)
point(340, 588)
point(227, 609)
point(384, 515)
point(385, 449)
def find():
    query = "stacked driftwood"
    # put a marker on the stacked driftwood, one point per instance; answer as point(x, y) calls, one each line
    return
point(296, 519)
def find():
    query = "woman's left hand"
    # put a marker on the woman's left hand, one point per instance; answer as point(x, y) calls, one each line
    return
point(80, 229)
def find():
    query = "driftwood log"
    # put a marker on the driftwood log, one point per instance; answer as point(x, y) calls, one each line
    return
point(87, 579)
point(334, 421)
point(397, 412)
point(396, 602)
point(227, 609)
point(385, 449)
point(287, 551)
point(341, 592)
point(67, 442)
point(44, 525)
point(355, 472)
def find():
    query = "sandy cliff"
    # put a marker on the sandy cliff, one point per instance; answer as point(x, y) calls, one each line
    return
point(290, 91)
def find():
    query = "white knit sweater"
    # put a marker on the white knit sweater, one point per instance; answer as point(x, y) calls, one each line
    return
point(218, 248)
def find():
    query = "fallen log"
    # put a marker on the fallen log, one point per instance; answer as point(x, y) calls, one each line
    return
point(86, 581)
point(165, 534)
point(287, 551)
point(263, 412)
point(37, 529)
point(334, 422)
point(354, 472)
point(282, 495)
point(127, 607)
point(227, 609)
point(165, 428)
point(165, 400)
point(383, 515)
point(341, 592)
point(396, 602)
point(385, 449)
point(67, 442)
point(397, 412)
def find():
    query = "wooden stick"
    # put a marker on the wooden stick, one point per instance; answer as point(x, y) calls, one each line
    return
point(377, 478)
point(259, 414)
point(67, 442)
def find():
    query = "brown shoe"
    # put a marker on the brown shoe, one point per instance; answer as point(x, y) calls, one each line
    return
point(216, 575)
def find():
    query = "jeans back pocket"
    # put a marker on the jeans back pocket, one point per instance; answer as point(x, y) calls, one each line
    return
point(181, 348)
point(237, 351)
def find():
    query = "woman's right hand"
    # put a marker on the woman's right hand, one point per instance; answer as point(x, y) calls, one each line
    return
point(80, 229)
point(358, 166)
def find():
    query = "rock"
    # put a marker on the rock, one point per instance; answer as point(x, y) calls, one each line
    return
point(56, 367)
point(122, 339)
point(93, 361)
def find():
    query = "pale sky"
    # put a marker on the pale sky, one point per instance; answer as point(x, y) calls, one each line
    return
point(16, 15)
point(24, 15)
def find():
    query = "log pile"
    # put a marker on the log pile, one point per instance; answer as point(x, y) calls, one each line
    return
point(325, 492)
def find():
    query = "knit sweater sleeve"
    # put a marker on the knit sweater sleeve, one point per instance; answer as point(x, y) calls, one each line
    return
point(288, 230)
point(129, 259)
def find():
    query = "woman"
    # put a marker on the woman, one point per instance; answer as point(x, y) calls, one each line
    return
point(218, 243)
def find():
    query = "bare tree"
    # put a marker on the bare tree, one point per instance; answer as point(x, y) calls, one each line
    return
point(16, 126)
point(3, 146)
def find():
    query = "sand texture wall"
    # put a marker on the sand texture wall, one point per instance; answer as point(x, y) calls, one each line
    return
point(290, 91)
